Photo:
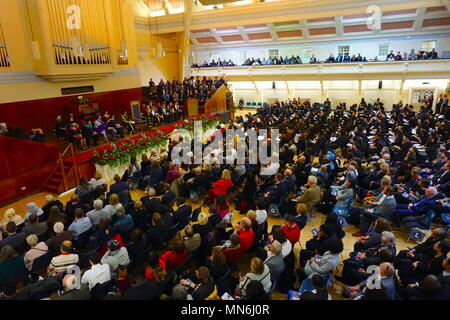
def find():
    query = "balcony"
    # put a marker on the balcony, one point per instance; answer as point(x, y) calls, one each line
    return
point(395, 70)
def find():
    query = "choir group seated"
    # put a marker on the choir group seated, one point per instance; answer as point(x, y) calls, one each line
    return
point(201, 232)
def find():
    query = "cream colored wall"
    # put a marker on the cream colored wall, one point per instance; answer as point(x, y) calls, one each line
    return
point(19, 82)
point(149, 65)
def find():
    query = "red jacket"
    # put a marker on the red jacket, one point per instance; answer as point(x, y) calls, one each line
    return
point(246, 239)
point(173, 259)
point(221, 186)
point(233, 255)
point(149, 275)
point(292, 234)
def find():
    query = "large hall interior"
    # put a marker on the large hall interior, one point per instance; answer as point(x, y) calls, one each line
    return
point(219, 149)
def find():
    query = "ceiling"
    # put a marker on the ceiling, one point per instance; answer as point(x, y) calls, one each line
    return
point(251, 22)
point(419, 20)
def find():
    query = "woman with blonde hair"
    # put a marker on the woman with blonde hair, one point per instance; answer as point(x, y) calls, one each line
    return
point(10, 215)
point(203, 226)
point(221, 186)
point(97, 180)
point(259, 271)
point(111, 208)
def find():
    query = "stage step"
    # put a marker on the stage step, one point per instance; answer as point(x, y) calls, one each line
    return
point(51, 188)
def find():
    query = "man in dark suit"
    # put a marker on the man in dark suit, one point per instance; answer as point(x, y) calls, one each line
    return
point(35, 227)
point(150, 202)
point(156, 233)
point(183, 213)
point(168, 197)
point(15, 240)
point(340, 58)
point(71, 206)
point(144, 289)
point(118, 186)
point(276, 191)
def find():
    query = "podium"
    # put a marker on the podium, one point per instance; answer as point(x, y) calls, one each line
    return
point(192, 107)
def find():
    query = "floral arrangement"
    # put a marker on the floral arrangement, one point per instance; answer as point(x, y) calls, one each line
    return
point(209, 121)
point(115, 156)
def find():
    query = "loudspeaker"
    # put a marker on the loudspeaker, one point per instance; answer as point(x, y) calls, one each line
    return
point(380, 84)
point(273, 85)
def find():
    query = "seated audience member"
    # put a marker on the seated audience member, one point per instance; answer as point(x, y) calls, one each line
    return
point(387, 273)
point(32, 208)
point(10, 262)
point(144, 289)
point(15, 239)
point(95, 214)
point(221, 186)
point(70, 208)
point(11, 216)
point(55, 242)
point(245, 233)
point(70, 292)
point(274, 259)
point(98, 273)
point(414, 269)
point(312, 195)
point(115, 256)
point(35, 227)
point(118, 185)
point(259, 271)
point(383, 208)
point(175, 257)
point(50, 201)
point(97, 180)
point(233, 252)
point(205, 286)
point(64, 260)
point(124, 223)
point(418, 208)
point(429, 289)
point(80, 225)
point(192, 241)
point(37, 249)
point(291, 229)
point(183, 213)
point(373, 239)
point(55, 216)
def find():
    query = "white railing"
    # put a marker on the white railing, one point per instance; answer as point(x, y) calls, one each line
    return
point(421, 69)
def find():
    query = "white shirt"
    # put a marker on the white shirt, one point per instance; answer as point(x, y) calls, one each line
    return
point(261, 216)
point(98, 273)
point(286, 248)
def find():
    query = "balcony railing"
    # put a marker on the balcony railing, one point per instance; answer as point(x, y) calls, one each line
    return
point(421, 69)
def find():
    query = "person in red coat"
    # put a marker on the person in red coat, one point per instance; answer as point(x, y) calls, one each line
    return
point(221, 186)
point(234, 252)
point(291, 229)
point(177, 256)
point(245, 232)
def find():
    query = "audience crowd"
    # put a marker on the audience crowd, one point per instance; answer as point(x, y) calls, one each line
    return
point(380, 171)
point(412, 55)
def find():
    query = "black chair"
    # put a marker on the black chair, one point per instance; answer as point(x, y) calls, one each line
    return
point(129, 207)
point(100, 291)
point(124, 197)
point(171, 233)
point(83, 239)
point(41, 263)
point(168, 283)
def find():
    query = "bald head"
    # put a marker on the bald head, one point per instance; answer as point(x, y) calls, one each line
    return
point(387, 270)
point(287, 172)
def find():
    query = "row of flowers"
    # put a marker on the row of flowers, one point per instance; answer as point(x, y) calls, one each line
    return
point(209, 121)
point(118, 155)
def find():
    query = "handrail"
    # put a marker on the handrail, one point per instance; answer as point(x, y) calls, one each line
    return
point(60, 162)
point(75, 164)
point(212, 105)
